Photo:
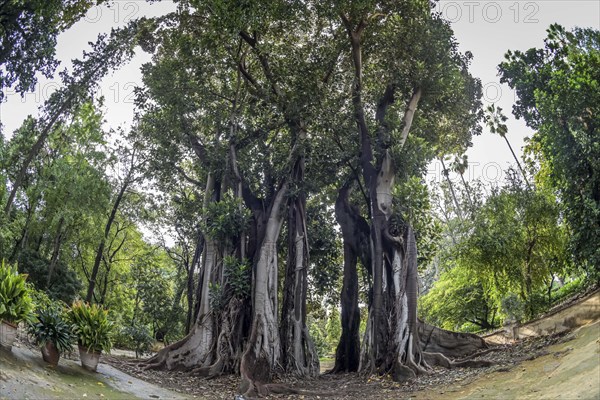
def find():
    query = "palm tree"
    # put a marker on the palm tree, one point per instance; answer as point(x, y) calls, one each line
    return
point(460, 166)
point(495, 120)
point(451, 186)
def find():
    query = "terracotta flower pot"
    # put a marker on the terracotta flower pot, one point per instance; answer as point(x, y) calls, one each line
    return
point(50, 354)
point(8, 334)
point(89, 359)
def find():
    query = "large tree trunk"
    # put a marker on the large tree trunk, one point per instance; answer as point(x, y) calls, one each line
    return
point(214, 344)
point(407, 358)
point(388, 344)
point(347, 354)
point(355, 236)
point(190, 286)
point(377, 333)
point(263, 352)
point(299, 355)
point(195, 350)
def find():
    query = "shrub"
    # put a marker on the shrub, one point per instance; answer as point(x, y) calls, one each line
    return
point(64, 284)
point(15, 303)
point(225, 219)
point(318, 334)
point(216, 296)
point(513, 307)
point(50, 327)
point(40, 299)
point(135, 337)
point(238, 276)
point(577, 285)
point(91, 326)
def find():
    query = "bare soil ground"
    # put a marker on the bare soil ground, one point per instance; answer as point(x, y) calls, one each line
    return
point(559, 366)
point(564, 366)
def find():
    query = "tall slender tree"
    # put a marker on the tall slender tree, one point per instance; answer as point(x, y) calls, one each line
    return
point(495, 121)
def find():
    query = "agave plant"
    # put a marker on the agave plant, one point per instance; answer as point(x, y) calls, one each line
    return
point(91, 326)
point(50, 327)
point(15, 303)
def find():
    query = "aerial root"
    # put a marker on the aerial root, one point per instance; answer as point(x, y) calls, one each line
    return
point(212, 371)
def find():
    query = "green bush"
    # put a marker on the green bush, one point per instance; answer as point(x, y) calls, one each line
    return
point(49, 326)
point(316, 328)
point(225, 219)
point(64, 285)
point(238, 276)
point(216, 296)
point(40, 299)
point(15, 303)
point(135, 337)
point(536, 304)
point(91, 326)
point(513, 307)
point(569, 289)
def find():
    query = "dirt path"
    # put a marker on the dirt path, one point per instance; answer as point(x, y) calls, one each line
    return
point(24, 375)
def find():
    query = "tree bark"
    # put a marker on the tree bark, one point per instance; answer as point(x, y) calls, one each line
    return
point(389, 344)
point(377, 334)
point(190, 287)
point(355, 236)
point(263, 351)
point(214, 344)
point(408, 359)
point(299, 355)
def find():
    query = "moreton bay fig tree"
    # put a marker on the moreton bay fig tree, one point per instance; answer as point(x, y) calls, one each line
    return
point(241, 100)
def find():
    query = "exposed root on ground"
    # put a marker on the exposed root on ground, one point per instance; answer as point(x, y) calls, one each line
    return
point(159, 360)
point(443, 361)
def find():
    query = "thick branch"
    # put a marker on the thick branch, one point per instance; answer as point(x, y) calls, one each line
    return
point(264, 62)
point(366, 156)
point(186, 176)
point(198, 148)
point(409, 114)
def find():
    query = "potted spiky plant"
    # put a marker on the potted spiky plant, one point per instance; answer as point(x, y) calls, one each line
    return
point(15, 303)
point(93, 331)
point(52, 333)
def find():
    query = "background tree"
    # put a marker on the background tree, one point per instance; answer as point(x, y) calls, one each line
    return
point(28, 31)
point(558, 97)
point(131, 171)
point(106, 55)
point(495, 121)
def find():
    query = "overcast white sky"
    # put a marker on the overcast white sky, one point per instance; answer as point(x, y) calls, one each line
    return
point(486, 28)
